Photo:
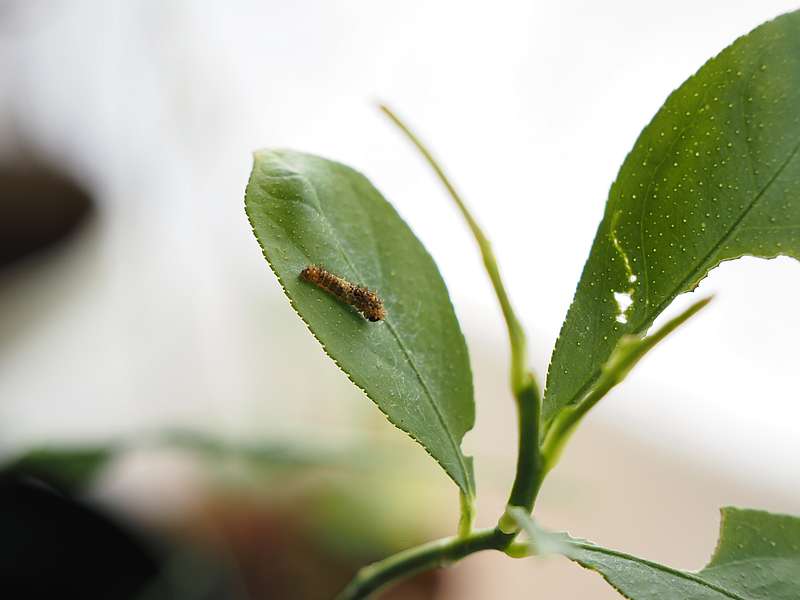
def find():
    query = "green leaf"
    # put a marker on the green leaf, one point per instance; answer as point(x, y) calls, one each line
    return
point(75, 468)
point(713, 177)
point(414, 364)
point(266, 455)
point(757, 558)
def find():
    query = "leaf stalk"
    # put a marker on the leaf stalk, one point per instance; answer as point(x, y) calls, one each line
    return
point(516, 334)
point(629, 350)
point(439, 553)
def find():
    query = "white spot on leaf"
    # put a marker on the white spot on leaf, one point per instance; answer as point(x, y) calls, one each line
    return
point(624, 301)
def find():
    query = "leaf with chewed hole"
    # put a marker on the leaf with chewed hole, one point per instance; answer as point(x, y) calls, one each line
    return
point(306, 210)
point(713, 177)
point(757, 558)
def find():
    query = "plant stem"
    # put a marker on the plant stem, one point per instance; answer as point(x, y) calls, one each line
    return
point(519, 368)
point(527, 482)
point(629, 351)
point(530, 474)
point(432, 555)
point(523, 382)
point(467, 518)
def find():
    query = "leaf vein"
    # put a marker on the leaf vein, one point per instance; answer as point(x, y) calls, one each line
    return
point(693, 577)
point(734, 227)
point(398, 339)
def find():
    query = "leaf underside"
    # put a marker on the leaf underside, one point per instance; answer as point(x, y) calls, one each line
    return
point(414, 364)
point(713, 177)
point(757, 558)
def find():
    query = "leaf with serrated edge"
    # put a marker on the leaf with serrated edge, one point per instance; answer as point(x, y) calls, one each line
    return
point(713, 177)
point(414, 364)
point(757, 558)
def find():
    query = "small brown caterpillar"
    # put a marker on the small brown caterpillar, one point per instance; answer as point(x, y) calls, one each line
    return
point(363, 300)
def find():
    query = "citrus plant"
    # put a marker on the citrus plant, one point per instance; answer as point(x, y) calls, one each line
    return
point(713, 177)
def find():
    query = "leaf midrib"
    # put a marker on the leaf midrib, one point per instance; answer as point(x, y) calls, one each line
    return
point(693, 577)
point(724, 239)
point(428, 395)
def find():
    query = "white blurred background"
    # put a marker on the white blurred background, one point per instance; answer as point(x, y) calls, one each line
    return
point(163, 311)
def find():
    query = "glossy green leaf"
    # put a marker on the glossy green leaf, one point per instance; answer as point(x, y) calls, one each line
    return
point(713, 177)
point(414, 364)
point(757, 558)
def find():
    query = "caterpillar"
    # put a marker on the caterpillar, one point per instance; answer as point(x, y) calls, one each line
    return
point(366, 302)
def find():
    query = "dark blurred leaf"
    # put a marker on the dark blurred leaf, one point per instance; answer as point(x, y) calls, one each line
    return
point(74, 468)
point(39, 207)
point(53, 546)
point(56, 545)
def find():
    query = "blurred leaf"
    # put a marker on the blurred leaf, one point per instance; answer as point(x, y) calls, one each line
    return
point(414, 365)
point(273, 455)
point(56, 545)
point(713, 177)
point(74, 468)
point(757, 558)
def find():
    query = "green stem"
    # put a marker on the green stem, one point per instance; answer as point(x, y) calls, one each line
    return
point(519, 368)
point(523, 383)
point(533, 463)
point(467, 518)
point(530, 474)
point(628, 352)
point(439, 553)
point(528, 480)
point(530, 470)
point(520, 550)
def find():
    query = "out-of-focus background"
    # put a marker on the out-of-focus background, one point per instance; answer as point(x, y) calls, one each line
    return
point(126, 129)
